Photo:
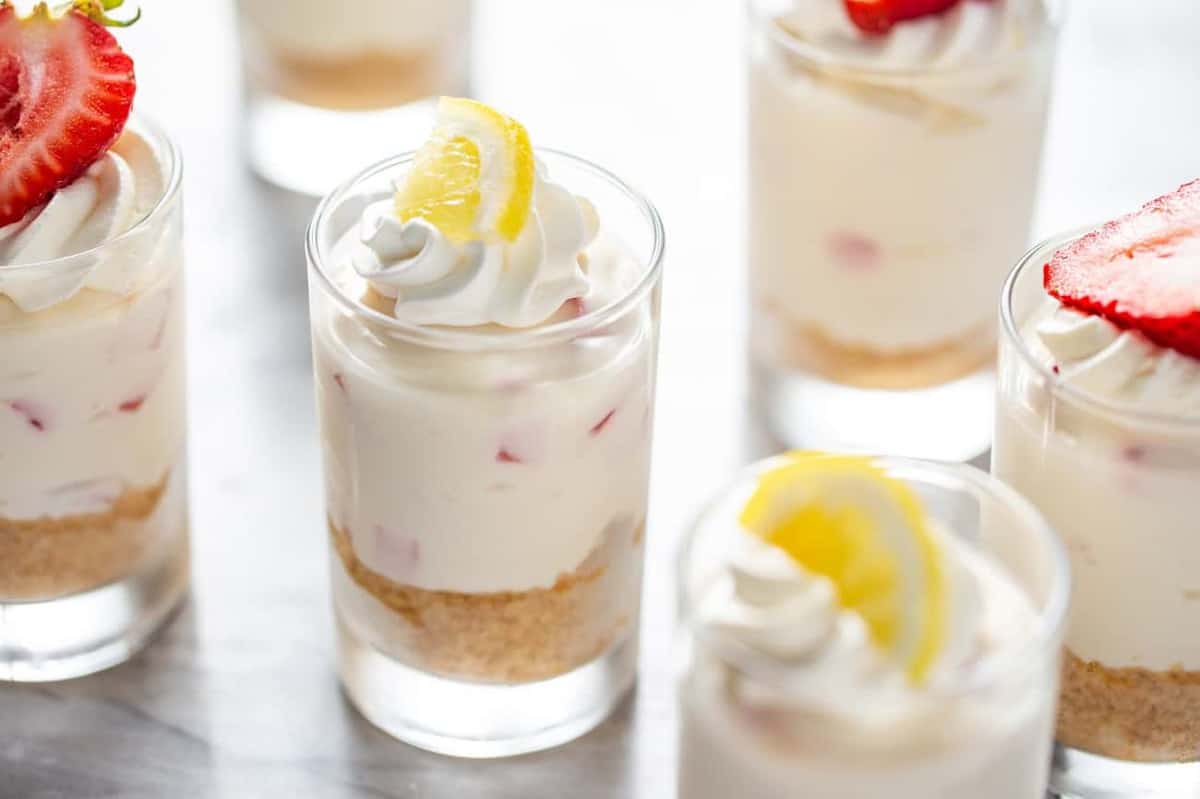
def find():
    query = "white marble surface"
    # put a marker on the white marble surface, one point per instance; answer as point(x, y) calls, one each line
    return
point(238, 697)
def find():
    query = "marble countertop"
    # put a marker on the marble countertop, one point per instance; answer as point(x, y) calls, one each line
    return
point(238, 696)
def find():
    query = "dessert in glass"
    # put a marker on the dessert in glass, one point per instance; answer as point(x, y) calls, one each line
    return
point(1098, 423)
point(868, 628)
point(93, 493)
point(362, 73)
point(893, 169)
point(485, 328)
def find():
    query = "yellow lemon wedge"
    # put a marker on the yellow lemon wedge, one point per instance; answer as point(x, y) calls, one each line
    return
point(843, 517)
point(473, 179)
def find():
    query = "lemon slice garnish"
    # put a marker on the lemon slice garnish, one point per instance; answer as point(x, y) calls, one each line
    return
point(844, 518)
point(473, 179)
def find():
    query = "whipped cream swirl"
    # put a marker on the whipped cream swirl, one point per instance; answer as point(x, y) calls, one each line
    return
point(973, 31)
point(1121, 366)
point(112, 196)
point(769, 604)
point(435, 281)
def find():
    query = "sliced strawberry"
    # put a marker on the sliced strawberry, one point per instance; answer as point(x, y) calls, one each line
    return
point(66, 90)
point(1141, 272)
point(10, 90)
point(878, 16)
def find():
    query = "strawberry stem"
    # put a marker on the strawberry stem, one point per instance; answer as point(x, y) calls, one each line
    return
point(97, 10)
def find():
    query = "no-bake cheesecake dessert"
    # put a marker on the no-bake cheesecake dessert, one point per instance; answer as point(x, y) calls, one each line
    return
point(484, 348)
point(355, 54)
point(893, 152)
point(1099, 424)
point(363, 74)
point(92, 468)
point(863, 629)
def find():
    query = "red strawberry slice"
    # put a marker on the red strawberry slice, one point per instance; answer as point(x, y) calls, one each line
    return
point(66, 90)
point(1140, 272)
point(877, 17)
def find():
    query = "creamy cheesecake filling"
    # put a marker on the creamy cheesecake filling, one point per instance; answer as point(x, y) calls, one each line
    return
point(1119, 483)
point(92, 379)
point(362, 56)
point(497, 469)
point(866, 158)
point(486, 444)
point(542, 446)
point(332, 31)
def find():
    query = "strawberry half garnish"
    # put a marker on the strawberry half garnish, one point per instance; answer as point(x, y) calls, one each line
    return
point(1141, 272)
point(877, 17)
point(66, 90)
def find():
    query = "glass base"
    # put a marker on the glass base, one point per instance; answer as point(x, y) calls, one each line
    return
point(310, 150)
point(84, 633)
point(1079, 775)
point(951, 422)
point(482, 720)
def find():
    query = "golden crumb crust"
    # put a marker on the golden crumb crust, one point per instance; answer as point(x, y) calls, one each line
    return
point(1130, 713)
point(50, 557)
point(518, 636)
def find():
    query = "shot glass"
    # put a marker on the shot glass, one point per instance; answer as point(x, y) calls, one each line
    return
point(754, 726)
point(486, 493)
point(330, 86)
point(93, 482)
point(1121, 487)
point(886, 204)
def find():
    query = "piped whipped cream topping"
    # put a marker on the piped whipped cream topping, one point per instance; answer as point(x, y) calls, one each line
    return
point(112, 196)
point(973, 31)
point(1120, 366)
point(435, 281)
point(768, 603)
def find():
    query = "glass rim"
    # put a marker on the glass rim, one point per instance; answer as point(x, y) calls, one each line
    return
point(449, 338)
point(1036, 257)
point(167, 148)
point(820, 56)
point(1051, 619)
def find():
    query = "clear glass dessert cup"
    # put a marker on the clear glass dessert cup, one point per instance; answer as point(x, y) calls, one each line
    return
point(93, 482)
point(982, 732)
point(332, 84)
point(1121, 488)
point(885, 206)
point(486, 494)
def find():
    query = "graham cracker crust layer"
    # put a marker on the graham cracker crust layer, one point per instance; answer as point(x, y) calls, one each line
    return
point(55, 556)
point(503, 636)
point(1130, 713)
point(789, 344)
point(365, 82)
